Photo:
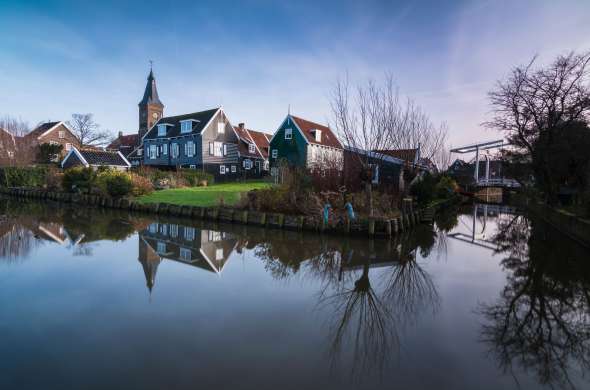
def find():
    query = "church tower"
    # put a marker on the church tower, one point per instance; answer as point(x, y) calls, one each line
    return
point(151, 108)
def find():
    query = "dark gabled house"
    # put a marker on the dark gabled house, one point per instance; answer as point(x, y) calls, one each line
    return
point(94, 158)
point(203, 140)
point(124, 143)
point(302, 143)
point(253, 151)
point(383, 170)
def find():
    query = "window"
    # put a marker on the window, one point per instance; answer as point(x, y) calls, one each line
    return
point(164, 229)
point(251, 148)
point(288, 133)
point(174, 150)
point(224, 149)
point(68, 146)
point(214, 236)
point(189, 149)
point(216, 149)
point(192, 166)
point(153, 227)
point(186, 126)
point(139, 152)
point(274, 171)
point(247, 164)
point(222, 169)
point(189, 233)
point(221, 128)
point(318, 135)
point(219, 254)
point(161, 130)
point(266, 165)
point(233, 169)
point(173, 231)
point(275, 153)
point(161, 247)
point(62, 134)
point(152, 151)
point(10, 154)
point(185, 254)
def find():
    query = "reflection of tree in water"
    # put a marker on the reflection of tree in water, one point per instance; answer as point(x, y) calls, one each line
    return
point(16, 241)
point(541, 321)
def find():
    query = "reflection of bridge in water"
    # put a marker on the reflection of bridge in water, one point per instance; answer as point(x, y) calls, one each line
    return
point(477, 235)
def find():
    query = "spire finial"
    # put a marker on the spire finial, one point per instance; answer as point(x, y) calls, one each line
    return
point(289, 109)
point(151, 65)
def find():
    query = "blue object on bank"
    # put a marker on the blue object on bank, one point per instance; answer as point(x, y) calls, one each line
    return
point(327, 208)
point(350, 211)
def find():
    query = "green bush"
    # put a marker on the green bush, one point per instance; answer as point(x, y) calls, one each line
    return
point(119, 185)
point(23, 176)
point(424, 188)
point(193, 177)
point(78, 179)
point(445, 188)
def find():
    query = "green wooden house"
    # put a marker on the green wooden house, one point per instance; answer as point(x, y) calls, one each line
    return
point(302, 143)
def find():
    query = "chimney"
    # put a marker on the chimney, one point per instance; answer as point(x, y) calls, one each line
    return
point(120, 134)
point(241, 125)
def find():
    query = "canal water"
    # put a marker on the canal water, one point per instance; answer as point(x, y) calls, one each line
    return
point(93, 299)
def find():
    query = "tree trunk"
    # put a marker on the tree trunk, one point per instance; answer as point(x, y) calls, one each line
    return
point(369, 190)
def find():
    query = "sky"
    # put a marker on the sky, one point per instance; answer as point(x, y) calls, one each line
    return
point(256, 58)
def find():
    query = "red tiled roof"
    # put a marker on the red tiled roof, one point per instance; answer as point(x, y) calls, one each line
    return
point(129, 140)
point(403, 154)
point(328, 138)
point(253, 137)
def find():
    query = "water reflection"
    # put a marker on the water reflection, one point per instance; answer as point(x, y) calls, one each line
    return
point(369, 294)
point(541, 321)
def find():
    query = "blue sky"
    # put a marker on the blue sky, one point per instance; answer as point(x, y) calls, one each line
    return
point(257, 57)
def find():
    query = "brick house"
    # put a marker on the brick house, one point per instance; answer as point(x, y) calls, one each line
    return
point(54, 133)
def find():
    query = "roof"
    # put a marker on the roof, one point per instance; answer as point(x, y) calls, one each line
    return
point(375, 155)
point(200, 120)
point(257, 138)
point(42, 129)
point(98, 157)
point(404, 154)
point(129, 140)
point(150, 95)
point(328, 138)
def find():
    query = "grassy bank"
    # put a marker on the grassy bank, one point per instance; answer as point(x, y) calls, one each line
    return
point(204, 196)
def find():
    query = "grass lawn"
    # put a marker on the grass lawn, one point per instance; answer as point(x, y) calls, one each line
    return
point(204, 196)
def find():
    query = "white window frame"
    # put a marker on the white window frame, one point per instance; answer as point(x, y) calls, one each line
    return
point(218, 149)
point(152, 151)
point(173, 230)
point(68, 146)
point(274, 153)
point(164, 149)
point(247, 164)
point(61, 134)
point(186, 126)
point(189, 233)
point(289, 133)
point(219, 254)
point(174, 150)
point(161, 247)
point(192, 166)
point(161, 130)
point(266, 165)
point(189, 149)
point(251, 148)
point(233, 169)
point(221, 128)
point(10, 154)
point(153, 228)
point(222, 169)
point(186, 254)
point(225, 149)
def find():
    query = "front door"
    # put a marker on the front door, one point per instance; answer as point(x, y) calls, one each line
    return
point(257, 164)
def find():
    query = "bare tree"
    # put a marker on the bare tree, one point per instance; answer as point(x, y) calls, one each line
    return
point(16, 126)
point(532, 103)
point(88, 131)
point(374, 118)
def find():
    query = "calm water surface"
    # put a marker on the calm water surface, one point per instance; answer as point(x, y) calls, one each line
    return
point(91, 299)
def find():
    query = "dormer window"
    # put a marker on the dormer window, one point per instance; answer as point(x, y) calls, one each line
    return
point(252, 148)
point(317, 135)
point(186, 126)
point(161, 130)
point(288, 133)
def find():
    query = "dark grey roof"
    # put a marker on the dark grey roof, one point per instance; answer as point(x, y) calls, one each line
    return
point(102, 157)
point(201, 119)
point(150, 96)
point(42, 128)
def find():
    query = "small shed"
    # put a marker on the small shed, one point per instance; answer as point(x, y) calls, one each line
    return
point(95, 158)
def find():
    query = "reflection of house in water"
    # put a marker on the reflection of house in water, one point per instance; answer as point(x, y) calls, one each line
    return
point(52, 231)
point(206, 249)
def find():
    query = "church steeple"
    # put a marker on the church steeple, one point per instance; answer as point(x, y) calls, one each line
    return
point(151, 107)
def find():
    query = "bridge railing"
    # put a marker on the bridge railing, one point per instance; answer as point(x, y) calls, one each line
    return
point(498, 182)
